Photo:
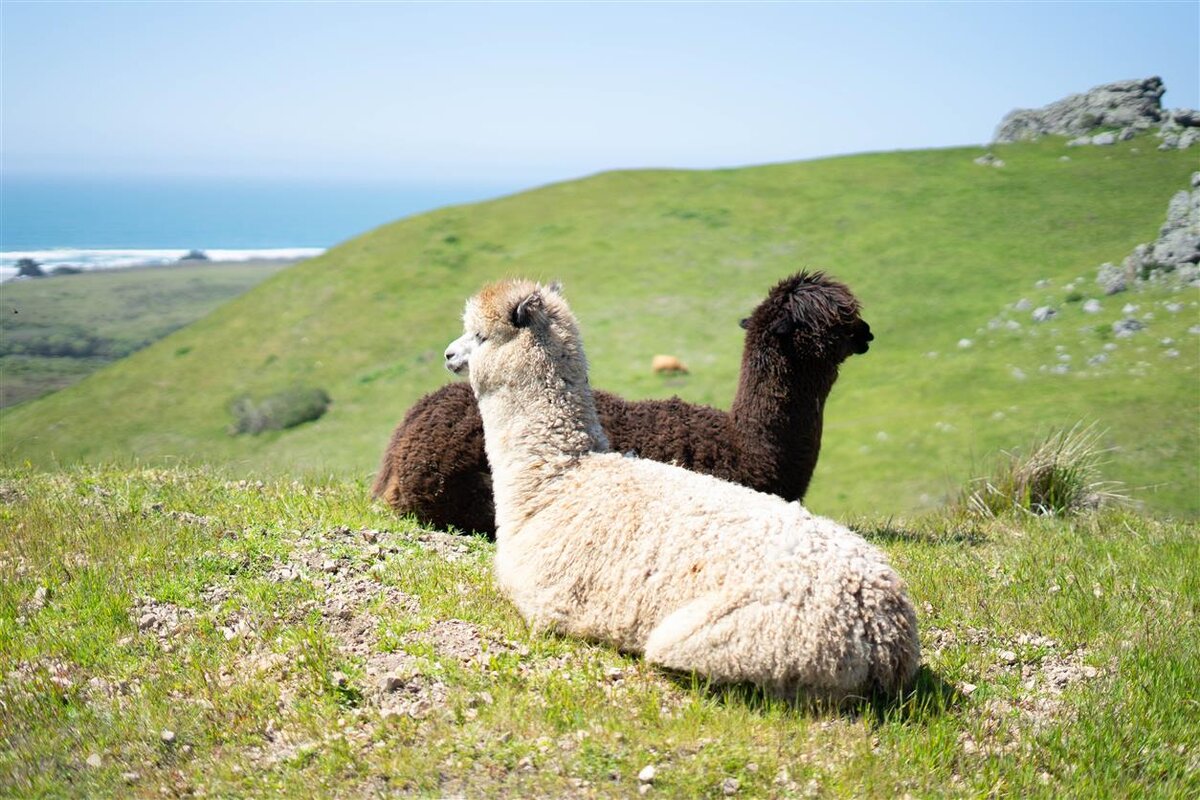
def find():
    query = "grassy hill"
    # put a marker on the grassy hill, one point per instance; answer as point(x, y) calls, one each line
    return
point(170, 633)
point(936, 246)
point(56, 331)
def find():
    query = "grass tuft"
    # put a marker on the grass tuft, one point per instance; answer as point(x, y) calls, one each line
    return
point(1058, 476)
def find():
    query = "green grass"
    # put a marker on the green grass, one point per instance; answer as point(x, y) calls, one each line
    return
point(936, 246)
point(256, 621)
point(55, 331)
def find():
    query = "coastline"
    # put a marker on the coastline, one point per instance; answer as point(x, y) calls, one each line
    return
point(107, 259)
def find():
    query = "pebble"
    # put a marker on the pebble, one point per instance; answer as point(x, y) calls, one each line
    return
point(167, 736)
point(329, 565)
point(647, 774)
point(94, 761)
point(130, 777)
point(968, 688)
point(730, 786)
point(1007, 656)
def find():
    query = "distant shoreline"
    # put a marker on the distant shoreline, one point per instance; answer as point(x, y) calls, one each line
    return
point(102, 259)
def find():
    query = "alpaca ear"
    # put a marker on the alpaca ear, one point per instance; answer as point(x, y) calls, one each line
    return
point(555, 287)
point(745, 323)
point(525, 311)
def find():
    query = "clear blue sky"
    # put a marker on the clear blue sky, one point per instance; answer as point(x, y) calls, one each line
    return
point(539, 91)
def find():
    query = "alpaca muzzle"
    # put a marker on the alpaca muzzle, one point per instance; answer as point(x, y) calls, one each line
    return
point(458, 354)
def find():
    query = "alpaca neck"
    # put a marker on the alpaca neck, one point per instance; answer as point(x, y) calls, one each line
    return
point(531, 435)
point(778, 414)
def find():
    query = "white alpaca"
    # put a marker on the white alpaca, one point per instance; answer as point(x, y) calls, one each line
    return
point(695, 573)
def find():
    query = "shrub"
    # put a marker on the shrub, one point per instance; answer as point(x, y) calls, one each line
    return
point(1059, 476)
point(286, 409)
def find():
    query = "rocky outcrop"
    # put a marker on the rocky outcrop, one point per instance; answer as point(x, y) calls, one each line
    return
point(1105, 115)
point(1176, 250)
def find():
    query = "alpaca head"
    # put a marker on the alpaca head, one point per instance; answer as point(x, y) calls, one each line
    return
point(517, 332)
point(809, 315)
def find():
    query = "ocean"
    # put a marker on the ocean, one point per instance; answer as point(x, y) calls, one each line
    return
point(94, 223)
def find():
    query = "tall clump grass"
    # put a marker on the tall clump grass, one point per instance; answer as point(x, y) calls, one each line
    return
point(1059, 475)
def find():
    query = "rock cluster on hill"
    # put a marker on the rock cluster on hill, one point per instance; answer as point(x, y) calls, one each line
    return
point(1176, 250)
point(1105, 115)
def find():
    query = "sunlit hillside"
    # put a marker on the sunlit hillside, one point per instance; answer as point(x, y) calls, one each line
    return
point(939, 249)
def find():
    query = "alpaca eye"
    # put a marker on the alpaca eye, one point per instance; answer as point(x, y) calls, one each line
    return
point(480, 338)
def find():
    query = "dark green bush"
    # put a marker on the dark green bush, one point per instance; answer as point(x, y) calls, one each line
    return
point(279, 411)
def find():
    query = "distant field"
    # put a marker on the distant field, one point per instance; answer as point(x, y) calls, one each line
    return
point(939, 249)
point(55, 331)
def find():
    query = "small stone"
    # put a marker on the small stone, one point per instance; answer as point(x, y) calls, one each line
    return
point(968, 688)
point(647, 774)
point(147, 620)
point(1007, 656)
point(130, 777)
point(965, 343)
point(167, 737)
point(644, 788)
point(94, 761)
point(730, 786)
point(329, 565)
point(370, 535)
point(1091, 307)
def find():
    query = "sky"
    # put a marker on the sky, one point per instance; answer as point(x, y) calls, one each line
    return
point(531, 92)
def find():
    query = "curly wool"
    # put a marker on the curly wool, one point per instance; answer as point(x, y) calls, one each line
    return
point(696, 573)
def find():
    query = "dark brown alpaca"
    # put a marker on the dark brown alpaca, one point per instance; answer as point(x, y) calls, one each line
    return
point(435, 467)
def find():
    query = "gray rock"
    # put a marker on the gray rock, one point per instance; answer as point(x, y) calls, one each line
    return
point(1091, 307)
point(1111, 278)
point(1184, 117)
point(1177, 248)
point(1124, 328)
point(1113, 105)
point(1130, 106)
point(1043, 313)
point(989, 160)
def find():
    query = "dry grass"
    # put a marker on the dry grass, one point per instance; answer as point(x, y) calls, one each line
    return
point(1059, 475)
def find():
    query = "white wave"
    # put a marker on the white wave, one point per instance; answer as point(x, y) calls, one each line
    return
point(113, 258)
